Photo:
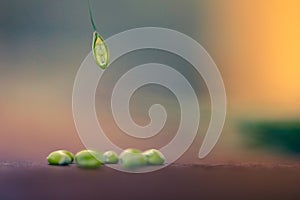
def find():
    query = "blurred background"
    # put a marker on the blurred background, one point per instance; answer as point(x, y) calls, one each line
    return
point(255, 44)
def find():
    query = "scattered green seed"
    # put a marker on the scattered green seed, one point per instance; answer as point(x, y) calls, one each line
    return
point(154, 157)
point(132, 158)
point(130, 150)
point(89, 159)
point(71, 155)
point(111, 157)
point(59, 157)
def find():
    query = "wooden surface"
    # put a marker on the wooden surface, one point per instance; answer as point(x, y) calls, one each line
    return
point(23, 180)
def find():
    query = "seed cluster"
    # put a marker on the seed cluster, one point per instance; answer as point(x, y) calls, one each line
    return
point(129, 158)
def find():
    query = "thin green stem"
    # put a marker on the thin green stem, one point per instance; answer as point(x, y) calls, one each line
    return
point(91, 16)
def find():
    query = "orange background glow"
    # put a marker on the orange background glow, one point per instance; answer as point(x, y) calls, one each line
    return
point(262, 59)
